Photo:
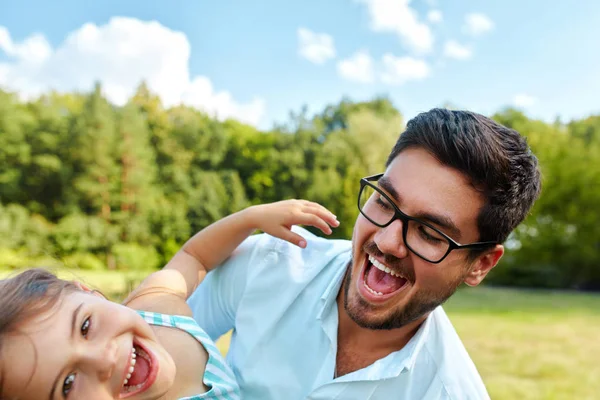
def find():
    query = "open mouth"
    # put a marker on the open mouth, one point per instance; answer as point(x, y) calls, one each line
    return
point(141, 371)
point(379, 282)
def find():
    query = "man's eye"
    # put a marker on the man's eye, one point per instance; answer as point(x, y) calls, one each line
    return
point(382, 202)
point(68, 385)
point(85, 327)
point(429, 234)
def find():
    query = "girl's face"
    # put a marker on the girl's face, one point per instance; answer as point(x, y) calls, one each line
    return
point(85, 348)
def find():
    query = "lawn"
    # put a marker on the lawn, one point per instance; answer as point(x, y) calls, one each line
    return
point(527, 344)
point(531, 345)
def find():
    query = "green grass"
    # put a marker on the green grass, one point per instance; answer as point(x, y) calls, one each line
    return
point(531, 345)
point(527, 344)
point(113, 284)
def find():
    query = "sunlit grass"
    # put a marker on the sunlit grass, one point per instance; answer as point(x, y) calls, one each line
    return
point(527, 344)
point(531, 345)
point(113, 284)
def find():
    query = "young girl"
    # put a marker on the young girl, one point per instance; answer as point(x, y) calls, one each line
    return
point(61, 340)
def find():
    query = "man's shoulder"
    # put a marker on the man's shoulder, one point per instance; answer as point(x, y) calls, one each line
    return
point(317, 248)
point(277, 257)
point(314, 242)
point(453, 365)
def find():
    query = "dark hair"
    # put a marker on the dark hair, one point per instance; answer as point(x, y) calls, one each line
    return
point(26, 296)
point(496, 159)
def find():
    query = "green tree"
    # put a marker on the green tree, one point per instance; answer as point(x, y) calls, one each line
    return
point(96, 167)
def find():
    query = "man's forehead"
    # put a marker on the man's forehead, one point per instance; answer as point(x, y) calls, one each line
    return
point(422, 185)
point(417, 171)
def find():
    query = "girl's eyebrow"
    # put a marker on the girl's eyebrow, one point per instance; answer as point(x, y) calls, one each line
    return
point(73, 324)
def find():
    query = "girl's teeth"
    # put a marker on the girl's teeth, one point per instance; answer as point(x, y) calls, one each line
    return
point(131, 367)
point(133, 388)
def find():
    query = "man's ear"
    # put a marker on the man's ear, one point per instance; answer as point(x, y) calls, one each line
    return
point(84, 288)
point(484, 264)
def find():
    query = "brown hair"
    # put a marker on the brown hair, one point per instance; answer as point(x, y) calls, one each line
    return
point(496, 159)
point(25, 296)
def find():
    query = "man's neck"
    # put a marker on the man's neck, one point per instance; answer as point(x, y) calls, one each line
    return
point(359, 347)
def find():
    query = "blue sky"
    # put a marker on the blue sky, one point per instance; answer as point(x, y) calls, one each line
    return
point(259, 60)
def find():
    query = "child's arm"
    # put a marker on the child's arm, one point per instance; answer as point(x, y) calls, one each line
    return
point(215, 243)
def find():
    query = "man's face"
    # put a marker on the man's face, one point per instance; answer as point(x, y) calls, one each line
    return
point(422, 188)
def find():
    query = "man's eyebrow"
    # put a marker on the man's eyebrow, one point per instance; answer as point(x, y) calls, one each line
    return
point(385, 183)
point(441, 220)
point(73, 325)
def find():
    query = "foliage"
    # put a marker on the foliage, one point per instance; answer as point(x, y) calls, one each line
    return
point(91, 184)
point(132, 256)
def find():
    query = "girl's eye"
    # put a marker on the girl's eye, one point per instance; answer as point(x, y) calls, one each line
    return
point(68, 385)
point(85, 327)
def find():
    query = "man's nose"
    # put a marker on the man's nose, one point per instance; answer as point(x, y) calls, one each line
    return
point(389, 240)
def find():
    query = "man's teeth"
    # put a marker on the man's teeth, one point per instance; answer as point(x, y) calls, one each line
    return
point(373, 291)
point(131, 366)
point(384, 268)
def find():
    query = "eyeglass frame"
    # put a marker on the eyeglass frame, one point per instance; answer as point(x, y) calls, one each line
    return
point(398, 214)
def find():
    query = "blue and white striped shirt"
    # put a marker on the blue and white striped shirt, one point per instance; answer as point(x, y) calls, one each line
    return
point(217, 375)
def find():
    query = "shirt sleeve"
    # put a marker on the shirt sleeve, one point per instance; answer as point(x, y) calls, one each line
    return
point(215, 302)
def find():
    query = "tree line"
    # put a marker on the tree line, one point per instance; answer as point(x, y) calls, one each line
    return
point(86, 184)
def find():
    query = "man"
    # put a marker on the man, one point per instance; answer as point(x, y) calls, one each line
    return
point(363, 319)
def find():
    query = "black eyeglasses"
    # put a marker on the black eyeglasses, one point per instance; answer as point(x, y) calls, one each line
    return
point(420, 237)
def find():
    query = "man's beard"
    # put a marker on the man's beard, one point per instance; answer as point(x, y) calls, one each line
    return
point(418, 306)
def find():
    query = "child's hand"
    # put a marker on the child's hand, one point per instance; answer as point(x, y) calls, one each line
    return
point(277, 219)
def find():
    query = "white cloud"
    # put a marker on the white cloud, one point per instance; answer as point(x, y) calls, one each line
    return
point(435, 16)
point(524, 100)
point(453, 49)
point(315, 47)
point(357, 68)
point(398, 17)
point(477, 24)
point(398, 70)
point(119, 54)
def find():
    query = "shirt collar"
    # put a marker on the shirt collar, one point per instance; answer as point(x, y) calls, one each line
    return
point(331, 291)
point(390, 366)
point(396, 363)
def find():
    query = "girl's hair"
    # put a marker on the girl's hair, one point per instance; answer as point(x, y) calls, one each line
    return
point(25, 296)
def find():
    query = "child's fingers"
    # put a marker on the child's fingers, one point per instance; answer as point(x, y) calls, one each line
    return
point(291, 237)
point(323, 213)
point(314, 220)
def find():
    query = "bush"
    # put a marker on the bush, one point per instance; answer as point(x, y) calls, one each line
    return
point(133, 257)
point(168, 249)
point(20, 258)
point(84, 261)
point(78, 233)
